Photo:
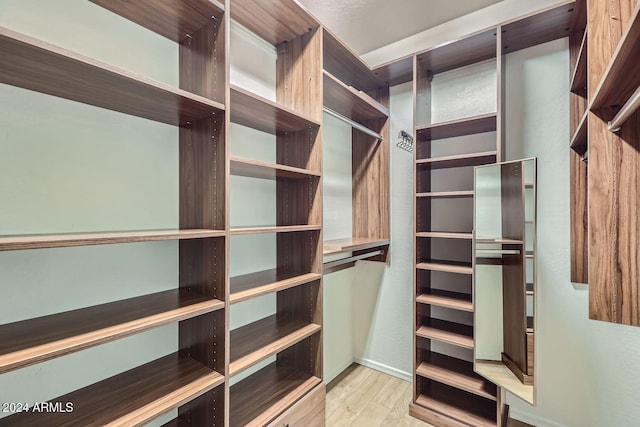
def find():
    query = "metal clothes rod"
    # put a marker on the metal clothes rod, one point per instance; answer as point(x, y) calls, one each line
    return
point(627, 110)
point(347, 260)
point(353, 124)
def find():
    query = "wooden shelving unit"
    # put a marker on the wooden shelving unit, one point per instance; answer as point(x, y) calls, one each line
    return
point(264, 170)
point(131, 398)
point(446, 266)
point(275, 229)
point(579, 76)
point(462, 127)
point(447, 299)
point(264, 282)
point(459, 160)
point(450, 402)
point(447, 332)
point(337, 246)
point(350, 102)
point(444, 235)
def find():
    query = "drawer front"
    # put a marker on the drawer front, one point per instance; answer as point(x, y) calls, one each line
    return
point(306, 412)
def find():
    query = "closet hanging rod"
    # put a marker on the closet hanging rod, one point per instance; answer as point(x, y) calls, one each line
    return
point(341, 261)
point(353, 124)
point(627, 110)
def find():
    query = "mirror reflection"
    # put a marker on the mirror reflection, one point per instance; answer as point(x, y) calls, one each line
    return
point(504, 263)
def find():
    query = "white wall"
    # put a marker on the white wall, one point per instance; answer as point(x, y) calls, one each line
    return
point(586, 370)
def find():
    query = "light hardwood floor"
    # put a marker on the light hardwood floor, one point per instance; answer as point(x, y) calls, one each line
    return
point(366, 397)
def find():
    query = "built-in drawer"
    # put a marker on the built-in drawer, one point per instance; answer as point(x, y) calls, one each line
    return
point(306, 412)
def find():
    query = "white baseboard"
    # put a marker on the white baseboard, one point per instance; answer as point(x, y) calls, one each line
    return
point(406, 376)
point(532, 419)
point(330, 376)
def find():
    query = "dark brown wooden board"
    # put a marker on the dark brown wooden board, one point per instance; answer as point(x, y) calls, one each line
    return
point(461, 127)
point(458, 405)
point(447, 299)
point(460, 160)
point(538, 27)
point(351, 103)
point(271, 171)
point(133, 397)
point(262, 282)
point(172, 19)
point(579, 75)
point(448, 332)
point(396, 72)
point(36, 65)
point(459, 53)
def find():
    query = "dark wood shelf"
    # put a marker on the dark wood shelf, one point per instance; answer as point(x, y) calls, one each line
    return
point(395, 72)
point(41, 241)
point(264, 170)
point(340, 61)
point(444, 235)
point(351, 103)
point(579, 76)
point(446, 194)
point(579, 138)
point(459, 53)
point(274, 229)
point(619, 81)
point(350, 244)
point(467, 126)
point(446, 266)
point(459, 405)
point(529, 289)
point(134, 397)
point(460, 160)
point(448, 332)
point(251, 110)
point(275, 22)
point(171, 19)
point(538, 27)
point(456, 373)
point(35, 340)
point(42, 67)
point(259, 398)
point(259, 340)
point(500, 240)
point(265, 282)
point(447, 299)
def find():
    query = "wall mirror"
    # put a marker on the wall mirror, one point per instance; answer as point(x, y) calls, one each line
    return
point(504, 248)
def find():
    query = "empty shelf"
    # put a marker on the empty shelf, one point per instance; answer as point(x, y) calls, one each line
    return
point(264, 282)
point(447, 299)
point(351, 244)
point(35, 340)
point(461, 160)
point(171, 19)
point(351, 103)
point(448, 332)
point(259, 340)
point(259, 398)
point(529, 288)
point(456, 373)
point(444, 235)
point(134, 397)
point(499, 240)
point(254, 111)
point(541, 27)
point(451, 403)
point(462, 127)
point(36, 65)
point(263, 170)
point(446, 194)
point(274, 229)
point(39, 241)
point(579, 138)
point(469, 50)
point(579, 77)
point(446, 266)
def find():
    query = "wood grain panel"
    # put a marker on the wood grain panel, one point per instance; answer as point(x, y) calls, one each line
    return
point(512, 197)
point(447, 332)
point(351, 103)
point(36, 65)
point(276, 22)
point(579, 219)
point(263, 170)
point(132, 398)
point(395, 72)
point(467, 126)
point(446, 266)
point(451, 407)
point(262, 396)
point(263, 282)
point(172, 19)
point(446, 299)
point(308, 411)
point(350, 244)
point(447, 194)
point(278, 229)
point(514, 312)
point(461, 160)
point(444, 235)
point(579, 75)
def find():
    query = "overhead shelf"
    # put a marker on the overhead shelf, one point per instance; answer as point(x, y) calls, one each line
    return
point(275, 22)
point(447, 332)
point(444, 235)
point(35, 340)
point(579, 139)
point(460, 160)
point(447, 299)
point(456, 373)
point(254, 111)
point(171, 19)
point(350, 102)
point(264, 170)
point(395, 72)
point(579, 76)
point(259, 340)
point(36, 65)
point(456, 404)
point(134, 397)
point(446, 266)
point(40, 241)
point(259, 398)
point(351, 244)
point(274, 229)
point(446, 194)
point(461, 127)
point(264, 282)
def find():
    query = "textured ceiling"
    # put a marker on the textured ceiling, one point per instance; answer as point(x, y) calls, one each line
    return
point(365, 25)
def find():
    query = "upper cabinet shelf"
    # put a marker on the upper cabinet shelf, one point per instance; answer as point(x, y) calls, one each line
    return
point(579, 76)
point(621, 78)
point(36, 65)
point(171, 19)
point(350, 244)
point(468, 126)
point(350, 102)
point(263, 170)
point(259, 113)
point(466, 51)
point(459, 160)
point(274, 21)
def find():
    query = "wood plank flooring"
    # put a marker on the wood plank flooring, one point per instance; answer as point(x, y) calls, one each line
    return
point(366, 397)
